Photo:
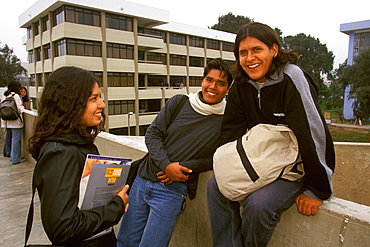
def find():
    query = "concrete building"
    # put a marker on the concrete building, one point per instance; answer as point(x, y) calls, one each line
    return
point(359, 39)
point(140, 57)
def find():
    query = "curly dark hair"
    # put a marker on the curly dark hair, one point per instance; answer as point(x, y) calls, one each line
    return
point(62, 105)
point(268, 36)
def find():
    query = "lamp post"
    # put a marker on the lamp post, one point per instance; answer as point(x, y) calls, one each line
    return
point(128, 116)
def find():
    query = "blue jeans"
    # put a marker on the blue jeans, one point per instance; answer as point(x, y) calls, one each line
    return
point(15, 152)
point(7, 142)
point(153, 211)
point(260, 214)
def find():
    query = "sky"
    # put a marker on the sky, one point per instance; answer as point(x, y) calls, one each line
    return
point(319, 18)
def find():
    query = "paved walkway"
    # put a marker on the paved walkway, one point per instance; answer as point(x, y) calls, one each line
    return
point(351, 126)
point(15, 196)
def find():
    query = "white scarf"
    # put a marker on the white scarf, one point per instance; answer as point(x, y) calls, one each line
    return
point(206, 109)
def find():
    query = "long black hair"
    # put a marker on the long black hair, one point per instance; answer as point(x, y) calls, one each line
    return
point(25, 98)
point(62, 105)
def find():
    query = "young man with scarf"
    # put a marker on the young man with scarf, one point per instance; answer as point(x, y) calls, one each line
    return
point(178, 152)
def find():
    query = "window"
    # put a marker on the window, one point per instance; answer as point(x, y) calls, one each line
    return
point(177, 39)
point(156, 80)
point(38, 54)
point(99, 75)
point(196, 41)
point(143, 129)
point(46, 50)
point(45, 23)
point(34, 103)
point(33, 80)
point(39, 80)
point(59, 16)
point(118, 107)
point(177, 60)
point(153, 32)
point(149, 105)
point(213, 44)
point(119, 22)
point(120, 51)
point(60, 48)
point(120, 79)
point(31, 58)
point(195, 81)
point(156, 33)
point(76, 15)
point(29, 32)
point(226, 46)
point(36, 28)
point(158, 57)
point(177, 81)
point(196, 62)
point(78, 48)
point(124, 131)
point(362, 42)
point(46, 76)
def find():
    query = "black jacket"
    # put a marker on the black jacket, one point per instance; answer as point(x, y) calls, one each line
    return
point(57, 178)
point(288, 98)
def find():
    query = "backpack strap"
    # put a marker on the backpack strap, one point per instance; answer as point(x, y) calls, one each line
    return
point(19, 114)
point(30, 216)
point(178, 108)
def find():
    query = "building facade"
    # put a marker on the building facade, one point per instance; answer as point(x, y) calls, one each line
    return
point(140, 57)
point(359, 39)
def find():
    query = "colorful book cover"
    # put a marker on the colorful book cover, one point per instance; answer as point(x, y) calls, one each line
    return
point(103, 177)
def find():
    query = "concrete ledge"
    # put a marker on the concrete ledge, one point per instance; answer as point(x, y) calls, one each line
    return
point(338, 223)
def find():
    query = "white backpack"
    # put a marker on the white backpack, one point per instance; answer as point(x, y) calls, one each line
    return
point(265, 153)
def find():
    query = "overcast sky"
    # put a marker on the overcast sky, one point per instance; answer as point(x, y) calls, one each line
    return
point(318, 18)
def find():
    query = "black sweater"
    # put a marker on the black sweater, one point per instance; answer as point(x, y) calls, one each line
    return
point(289, 98)
point(191, 139)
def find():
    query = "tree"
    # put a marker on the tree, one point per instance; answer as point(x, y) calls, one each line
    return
point(314, 56)
point(10, 65)
point(335, 97)
point(358, 75)
point(230, 23)
point(279, 34)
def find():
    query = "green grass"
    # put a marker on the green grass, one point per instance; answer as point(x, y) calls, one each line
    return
point(350, 137)
point(340, 135)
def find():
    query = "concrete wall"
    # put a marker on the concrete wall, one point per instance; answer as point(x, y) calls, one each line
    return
point(338, 223)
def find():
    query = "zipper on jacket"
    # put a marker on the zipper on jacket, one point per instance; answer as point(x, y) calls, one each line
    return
point(259, 98)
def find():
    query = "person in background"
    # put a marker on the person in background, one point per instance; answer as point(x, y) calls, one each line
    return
point(25, 98)
point(13, 128)
point(70, 117)
point(177, 155)
point(270, 88)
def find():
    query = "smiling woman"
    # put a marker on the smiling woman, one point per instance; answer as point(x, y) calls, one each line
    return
point(70, 117)
point(94, 108)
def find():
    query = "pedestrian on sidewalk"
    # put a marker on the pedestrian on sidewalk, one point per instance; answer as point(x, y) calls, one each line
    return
point(13, 128)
